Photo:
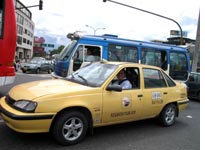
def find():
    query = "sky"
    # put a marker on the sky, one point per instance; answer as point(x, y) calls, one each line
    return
point(60, 17)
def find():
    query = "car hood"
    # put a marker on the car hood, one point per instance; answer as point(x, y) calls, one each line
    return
point(37, 89)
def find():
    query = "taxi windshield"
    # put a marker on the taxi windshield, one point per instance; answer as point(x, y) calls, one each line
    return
point(94, 74)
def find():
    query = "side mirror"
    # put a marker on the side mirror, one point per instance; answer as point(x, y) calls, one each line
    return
point(116, 88)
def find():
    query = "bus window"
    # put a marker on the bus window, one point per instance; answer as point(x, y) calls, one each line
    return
point(151, 56)
point(178, 66)
point(85, 53)
point(122, 53)
point(92, 53)
point(1, 18)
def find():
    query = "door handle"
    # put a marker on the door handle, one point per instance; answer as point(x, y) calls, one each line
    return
point(165, 93)
point(140, 95)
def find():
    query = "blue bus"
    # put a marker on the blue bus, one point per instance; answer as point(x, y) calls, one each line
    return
point(85, 49)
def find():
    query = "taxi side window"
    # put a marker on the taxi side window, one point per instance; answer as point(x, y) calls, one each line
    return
point(169, 81)
point(153, 78)
point(133, 76)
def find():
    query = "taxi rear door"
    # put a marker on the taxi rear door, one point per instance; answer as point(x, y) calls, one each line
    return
point(155, 92)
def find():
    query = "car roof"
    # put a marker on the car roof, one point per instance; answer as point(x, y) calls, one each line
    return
point(130, 64)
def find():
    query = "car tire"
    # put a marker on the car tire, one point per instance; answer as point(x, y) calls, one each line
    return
point(70, 127)
point(37, 71)
point(168, 115)
point(49, 71)
point(198, 96)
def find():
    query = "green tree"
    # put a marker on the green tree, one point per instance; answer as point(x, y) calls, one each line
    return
point(58, 50)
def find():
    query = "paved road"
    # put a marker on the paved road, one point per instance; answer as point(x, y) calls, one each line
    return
point(22, 78)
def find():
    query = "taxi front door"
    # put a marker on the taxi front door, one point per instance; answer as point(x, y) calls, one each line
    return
point(121, 106)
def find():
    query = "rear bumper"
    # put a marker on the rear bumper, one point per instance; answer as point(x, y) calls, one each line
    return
point(182, 104)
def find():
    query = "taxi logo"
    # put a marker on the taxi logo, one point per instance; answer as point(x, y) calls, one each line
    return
point(126, 101)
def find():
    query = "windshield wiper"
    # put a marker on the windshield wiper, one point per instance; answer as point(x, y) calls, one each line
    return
point(86, 82)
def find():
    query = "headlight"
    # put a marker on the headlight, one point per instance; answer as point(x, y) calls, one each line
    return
point(25, 105)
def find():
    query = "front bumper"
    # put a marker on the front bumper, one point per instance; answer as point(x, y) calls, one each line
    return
point(24, 69)
point(25, 122)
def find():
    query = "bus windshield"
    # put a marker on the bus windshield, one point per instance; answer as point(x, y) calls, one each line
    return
point(66, 52)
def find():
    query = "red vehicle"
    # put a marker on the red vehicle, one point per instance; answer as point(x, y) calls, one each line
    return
point(8, 36)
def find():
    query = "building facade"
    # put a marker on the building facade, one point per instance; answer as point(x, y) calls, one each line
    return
point(25, 32)
point(38, 49)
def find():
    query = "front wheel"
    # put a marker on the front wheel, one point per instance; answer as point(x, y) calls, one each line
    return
point(49, 71)
point(168, 115)
point(70, 127)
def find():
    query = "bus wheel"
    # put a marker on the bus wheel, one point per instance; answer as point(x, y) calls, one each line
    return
point(70, 127)
point(168, 115)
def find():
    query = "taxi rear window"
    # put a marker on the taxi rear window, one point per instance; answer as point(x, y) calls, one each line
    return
point(153, 78)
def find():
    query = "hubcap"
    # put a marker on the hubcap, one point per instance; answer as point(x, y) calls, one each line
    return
point(169, 116)
point(72, 129)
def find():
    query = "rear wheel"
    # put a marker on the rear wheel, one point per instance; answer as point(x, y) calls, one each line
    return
point(37, 71)
point(70, 127)
point(168, 115)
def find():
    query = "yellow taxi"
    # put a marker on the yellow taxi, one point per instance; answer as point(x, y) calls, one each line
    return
point(93, 96)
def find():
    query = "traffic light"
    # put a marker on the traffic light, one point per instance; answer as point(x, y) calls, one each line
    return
point(40, 5)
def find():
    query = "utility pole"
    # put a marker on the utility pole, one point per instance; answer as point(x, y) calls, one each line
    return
point(197, 48)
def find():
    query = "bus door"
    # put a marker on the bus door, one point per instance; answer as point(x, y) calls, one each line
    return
point(83, 55)
point(179, 68)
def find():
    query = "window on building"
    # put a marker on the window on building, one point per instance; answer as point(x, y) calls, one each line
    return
point(25, 31)
point(24, 40)
point(20, 19)
point(19, 40)
point(20, 29)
